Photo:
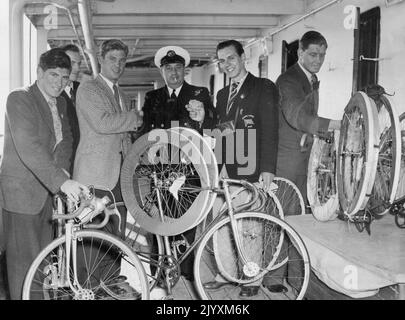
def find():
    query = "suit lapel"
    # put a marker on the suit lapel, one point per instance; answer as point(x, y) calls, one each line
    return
point(109, 94)
point(303, 78)
point(43, 107)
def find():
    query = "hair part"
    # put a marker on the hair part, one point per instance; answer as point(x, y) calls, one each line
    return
point(54, 58)
point(113, 44)
point(234, 43)
point(312, 37)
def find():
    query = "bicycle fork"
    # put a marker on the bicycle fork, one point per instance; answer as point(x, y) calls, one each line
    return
point(250, 268)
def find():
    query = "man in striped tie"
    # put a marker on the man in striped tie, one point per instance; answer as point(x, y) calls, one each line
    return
point(248, 115)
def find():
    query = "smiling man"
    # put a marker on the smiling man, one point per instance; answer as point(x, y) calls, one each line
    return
point(105, 120)
point(34, 167)
point(299, 120)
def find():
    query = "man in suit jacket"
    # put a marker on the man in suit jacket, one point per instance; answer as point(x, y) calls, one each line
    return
point(177, 104)
point(105, 121)
point(37, 147)
point(70, 96)
point(250, 106)
point(299, 120)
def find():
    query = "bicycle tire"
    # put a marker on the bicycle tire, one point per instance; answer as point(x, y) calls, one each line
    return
point(289, 196)
point(205, 268)
point(180, 211)
point(210, 161)
point(356, 168)
point(389, 159)
point(322, 181)
point(401, 184)
point(92, 288)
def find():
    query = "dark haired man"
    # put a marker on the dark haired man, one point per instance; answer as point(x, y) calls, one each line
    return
point(34, 167)
point(299, 120)
point(70, 96)
point(250, 105)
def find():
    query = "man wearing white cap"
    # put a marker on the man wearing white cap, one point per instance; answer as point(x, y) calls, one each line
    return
point(177, 104)
point(177, 101)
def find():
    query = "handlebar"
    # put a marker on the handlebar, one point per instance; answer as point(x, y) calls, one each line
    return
point(89, 208)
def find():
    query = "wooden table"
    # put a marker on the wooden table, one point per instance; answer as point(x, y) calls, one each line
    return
point(353, 262)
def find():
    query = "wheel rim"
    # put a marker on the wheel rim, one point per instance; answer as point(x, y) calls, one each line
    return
point(321, 183)
point(358, 153)
point(102, 261)
point(205, 271)
point(389, 159)
point(289, 196)
point(210, 161)
point(182, 181)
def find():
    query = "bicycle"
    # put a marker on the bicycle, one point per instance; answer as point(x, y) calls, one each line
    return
point(161, 183)
point(85, 264)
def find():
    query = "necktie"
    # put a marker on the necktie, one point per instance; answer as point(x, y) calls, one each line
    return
point(314, 82)
point(57, 125)
point(173, 95)
point(117, 96)
point(232, 96)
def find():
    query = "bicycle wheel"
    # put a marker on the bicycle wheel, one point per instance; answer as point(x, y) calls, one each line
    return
point(163, 169)
point(267, 202)
point(357, 153)
point(321, 184)
point(289, 196)
point(259, 236)
point(104, 261)
point(210, 161)
point(401, 184)
point(149, 248)
point(389, 158)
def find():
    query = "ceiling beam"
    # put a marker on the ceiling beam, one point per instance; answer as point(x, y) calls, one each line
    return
point(251, 21)
point(133, 21)
point(204, 33)
point(208, 7)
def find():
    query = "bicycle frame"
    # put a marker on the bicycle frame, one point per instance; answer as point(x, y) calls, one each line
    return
point(229, 209)
point(72, 225)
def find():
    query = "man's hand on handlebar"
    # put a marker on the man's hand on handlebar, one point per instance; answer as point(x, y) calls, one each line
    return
point(74, 189)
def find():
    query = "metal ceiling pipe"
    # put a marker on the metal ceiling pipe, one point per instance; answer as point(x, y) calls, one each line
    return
point(83, 7)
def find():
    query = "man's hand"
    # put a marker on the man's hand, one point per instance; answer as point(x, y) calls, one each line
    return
point(73, 189)
point(265, 180)
point(334, 125)
point(139, 120)
point(196, 110)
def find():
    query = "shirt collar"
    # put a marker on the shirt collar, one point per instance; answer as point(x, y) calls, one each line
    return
point(46, 96)
point(241, 81)
point(109, 82)
point(307, 73)
point(177, 90)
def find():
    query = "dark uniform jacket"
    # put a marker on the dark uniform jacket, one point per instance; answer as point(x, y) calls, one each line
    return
point(160, 110)
point(255, 109)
